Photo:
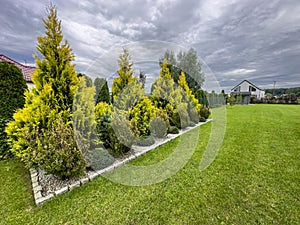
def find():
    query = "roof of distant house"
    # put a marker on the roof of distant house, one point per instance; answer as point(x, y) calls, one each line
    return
point(26, 70)
point(249, 83)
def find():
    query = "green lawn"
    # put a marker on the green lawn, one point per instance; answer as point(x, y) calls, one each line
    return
point(255, 179)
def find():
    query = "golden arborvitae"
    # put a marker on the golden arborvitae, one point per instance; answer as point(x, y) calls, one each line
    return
point(55, 68)
point(125, 73)
point(41, 134)
point(165, 72)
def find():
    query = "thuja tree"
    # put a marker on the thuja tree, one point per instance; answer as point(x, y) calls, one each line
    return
point(187, 62)
point(165, 90)
point(163, 86)
point(193, 106)
point(84, 116)
point(40, 134)
point(102, 91)
point(126, 92)
point(55, 67)
point(125, 73)
point(12, 88)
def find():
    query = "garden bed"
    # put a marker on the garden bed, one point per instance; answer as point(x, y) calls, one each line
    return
point(46, 186)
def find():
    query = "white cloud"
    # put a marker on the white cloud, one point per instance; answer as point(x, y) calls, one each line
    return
point(239, 71)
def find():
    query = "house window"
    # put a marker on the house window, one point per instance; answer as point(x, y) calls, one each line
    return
point(252, 88)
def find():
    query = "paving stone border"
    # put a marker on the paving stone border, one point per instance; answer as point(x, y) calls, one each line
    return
point(137, 151)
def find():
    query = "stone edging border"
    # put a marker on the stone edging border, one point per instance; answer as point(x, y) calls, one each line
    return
point(137, 152)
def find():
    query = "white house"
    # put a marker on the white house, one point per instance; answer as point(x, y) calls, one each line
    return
point(26, 70)
point(246, 90)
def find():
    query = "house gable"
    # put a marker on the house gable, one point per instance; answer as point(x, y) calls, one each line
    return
point(250, 84)
point(26, 70)
point(246, 89)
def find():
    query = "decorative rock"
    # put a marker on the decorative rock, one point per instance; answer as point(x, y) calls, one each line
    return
point(37, 195)
point(34, 179)
point(61, 191)
point(42, 200)
point(138, 154)
point(84, 180)
point(35, 184)
point(39, 201)
point(118, 164)
point(37, 189)
point(92, 175)
point(74, 185)
point(132, 157)
point(32, 170)
point(48, 197)
point(108, 169)
point(32, 175)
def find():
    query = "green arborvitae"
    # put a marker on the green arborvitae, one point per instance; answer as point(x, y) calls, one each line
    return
point(12, 88)
point(102, 91)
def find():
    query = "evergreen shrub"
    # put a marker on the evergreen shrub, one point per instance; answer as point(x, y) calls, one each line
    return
point(158, 127)
point(173, 130)
point(98, 159)
point(12, 88)
point(146, 141)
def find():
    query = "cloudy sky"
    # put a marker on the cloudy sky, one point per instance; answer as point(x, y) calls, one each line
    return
point(236, 39)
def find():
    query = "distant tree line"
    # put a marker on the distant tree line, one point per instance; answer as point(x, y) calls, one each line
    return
point(295, 91)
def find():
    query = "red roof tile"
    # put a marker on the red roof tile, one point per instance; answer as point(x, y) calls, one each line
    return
point(27, 70)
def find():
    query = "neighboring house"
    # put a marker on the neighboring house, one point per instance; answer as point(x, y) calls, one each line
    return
point(246, 90)
point(26, 70)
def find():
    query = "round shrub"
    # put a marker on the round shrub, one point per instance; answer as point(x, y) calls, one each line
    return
point(98, 159)
point(140, 116)
point(173, 130)
point(163, 114)
point(204, 112)
point(121, 137)
point(192, 124)
point(55, 150)
point(146, 141)
point(202, 119)
point(158, 127)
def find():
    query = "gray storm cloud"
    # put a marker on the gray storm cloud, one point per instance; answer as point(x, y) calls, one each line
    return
point(255, 40)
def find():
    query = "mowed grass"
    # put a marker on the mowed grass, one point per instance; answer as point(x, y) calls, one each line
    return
point(255, 179)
